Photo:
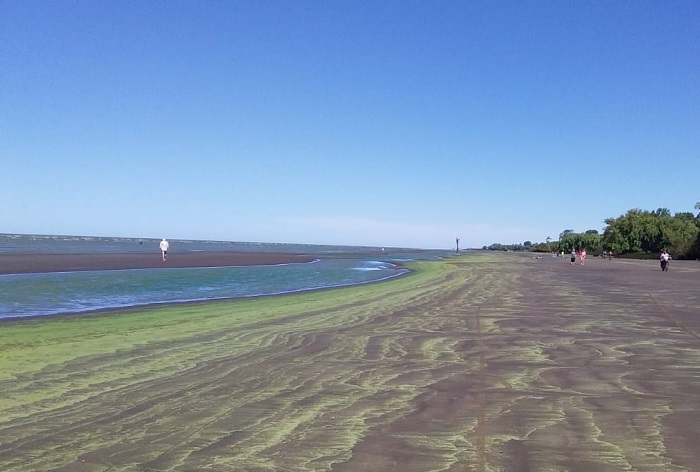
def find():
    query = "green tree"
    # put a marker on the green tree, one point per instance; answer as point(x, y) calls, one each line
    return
point(635, 231)
point(568, 241)
point(680, 235)
point(591, 241)
point(629, 232)
point(571, 241)
point(650, 231)
point(615, 236)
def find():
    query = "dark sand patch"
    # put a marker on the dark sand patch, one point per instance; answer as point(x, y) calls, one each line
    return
point(35, 263)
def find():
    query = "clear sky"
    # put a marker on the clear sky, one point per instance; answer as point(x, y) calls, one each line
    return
point(385, 123)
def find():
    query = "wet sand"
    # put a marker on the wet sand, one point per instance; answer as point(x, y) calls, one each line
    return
point(491, 363)
point(36, 263)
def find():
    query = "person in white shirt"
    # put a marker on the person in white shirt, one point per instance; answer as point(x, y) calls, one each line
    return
point(664, 258)
point(164, 245)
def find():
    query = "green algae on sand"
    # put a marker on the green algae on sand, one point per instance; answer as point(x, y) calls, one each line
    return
point(481, 363)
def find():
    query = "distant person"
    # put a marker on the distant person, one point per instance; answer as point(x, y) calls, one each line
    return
point(583, 256)
point(573, 257)
point(164, 245)
point(664, 258)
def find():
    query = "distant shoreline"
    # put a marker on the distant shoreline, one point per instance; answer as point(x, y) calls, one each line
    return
point(46, 263)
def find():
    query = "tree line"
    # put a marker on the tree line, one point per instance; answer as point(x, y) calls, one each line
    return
point(637, 233)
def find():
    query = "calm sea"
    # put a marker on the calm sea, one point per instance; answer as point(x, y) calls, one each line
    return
point(45, 294)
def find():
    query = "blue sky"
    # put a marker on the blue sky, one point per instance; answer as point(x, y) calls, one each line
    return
point(390, 123)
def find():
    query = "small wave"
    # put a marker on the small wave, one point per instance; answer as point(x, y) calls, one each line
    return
point(375, 265)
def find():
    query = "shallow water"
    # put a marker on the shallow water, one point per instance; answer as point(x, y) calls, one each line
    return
point(23, 295)
point(69, 292)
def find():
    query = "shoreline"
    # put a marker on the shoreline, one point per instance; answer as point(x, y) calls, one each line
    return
point(194, 303)
point(46, 263)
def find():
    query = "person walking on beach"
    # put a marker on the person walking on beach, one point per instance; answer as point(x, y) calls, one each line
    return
point(583, 256)
point(573, 256)
point(164, 245)
point(663, 259)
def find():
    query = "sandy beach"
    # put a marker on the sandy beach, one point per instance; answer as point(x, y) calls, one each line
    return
point(490, 362)
point(36, 263)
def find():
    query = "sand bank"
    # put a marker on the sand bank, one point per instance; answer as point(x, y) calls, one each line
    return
point(36, 263)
